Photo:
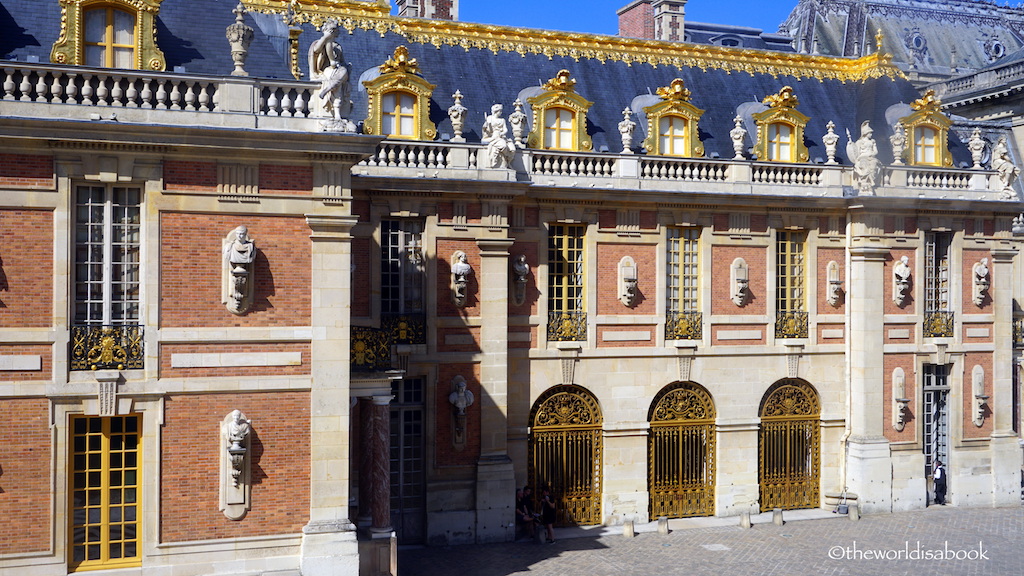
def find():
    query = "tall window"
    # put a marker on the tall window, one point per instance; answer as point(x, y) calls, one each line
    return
point(105, 464)
point(107, 264)
point(672, 132)
point(936, 294)
point(398, 110)
point(936, 415)
point(780, 142)
point(683, 267)
point(566, 272)
point(558, 129)
point(926, 146)
point(790, 271)
point(401, 267)
point(109, 38)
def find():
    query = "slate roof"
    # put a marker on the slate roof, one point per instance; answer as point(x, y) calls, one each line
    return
point(191, 34)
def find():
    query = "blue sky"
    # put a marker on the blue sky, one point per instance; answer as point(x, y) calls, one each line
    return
point(598, 16)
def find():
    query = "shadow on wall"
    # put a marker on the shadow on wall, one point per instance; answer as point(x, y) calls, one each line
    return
point(14, 36)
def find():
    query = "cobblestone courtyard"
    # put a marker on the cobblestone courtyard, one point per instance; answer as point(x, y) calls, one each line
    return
point(938, 541)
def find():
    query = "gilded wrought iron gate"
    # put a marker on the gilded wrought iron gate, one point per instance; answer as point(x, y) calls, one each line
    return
point(565, 453)
point(789, 447)
point(681, 452)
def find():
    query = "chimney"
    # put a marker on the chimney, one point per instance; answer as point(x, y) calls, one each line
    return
point(433, 9)
point(652, 19)
point(636, 20)
point(668, 19)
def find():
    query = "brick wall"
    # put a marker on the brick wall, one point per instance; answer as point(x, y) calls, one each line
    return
point(190, 176)
point(908, 364)
point(721, 288)
point(447, 455)
point(26, 268)
point(983, 359)
point(445, 306)
point(362, 283)
point(458, 339)
point(191, 261)
point(25, 463)
point(190, 470)
point(608, 257)
point(637, 22)
point(44, 351)
point(27, 171)
point(168, 350)
point(286, 180)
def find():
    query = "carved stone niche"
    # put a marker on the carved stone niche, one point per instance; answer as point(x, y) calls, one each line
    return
point(980, 282)
point(520, 276)
point(739, 280)
point(627, 281)
point(237, 270)
point(835, 285)
point(235, 465)
point(899, 400)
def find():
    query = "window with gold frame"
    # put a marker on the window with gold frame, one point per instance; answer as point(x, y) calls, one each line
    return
point(399, 100)
point(560, 116)
point(928, 132)
point(672, 124)
point(790, 271)
point(105, 492)
point(109, 34)
point(780, 129)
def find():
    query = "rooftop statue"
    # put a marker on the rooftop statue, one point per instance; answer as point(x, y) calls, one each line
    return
point(326, 64)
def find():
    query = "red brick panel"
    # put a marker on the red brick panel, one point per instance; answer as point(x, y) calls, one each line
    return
point(907, 362)
point(26, 268)
point(911, 331)
point(287, 180)
point(190, 271)
point(447, 453)
point(44, 351)
point(721, 287)
point(167, 350)
point(979, 327)
point(530, 342)
point(27, 171)
point(445, 306)
point(190, 465)
point(983, 359)
point(916, 283)
point(361, 208)
point(823, 327)
point(606, 219)
point(361, 280)
point(463, 338)
point(637, 22)
point(717, 329)
point(608, 257)
point(25, 462)
point(826, 255)
point(190, 176)
point(972, 257)
point(603, 333)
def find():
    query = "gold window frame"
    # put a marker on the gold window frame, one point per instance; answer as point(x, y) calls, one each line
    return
point(781, 110)
point(400, 73)
point(560, 93)
point(70, 45)
point(928, 114)
point(675, 102)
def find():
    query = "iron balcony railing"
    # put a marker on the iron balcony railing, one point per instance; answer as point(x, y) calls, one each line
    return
point(938, 324)
point(405, 328)
point(791, 325)
point(567, 326)
point(96, 347)
point(683, 325)
point(1018, 331)
point(370, 350)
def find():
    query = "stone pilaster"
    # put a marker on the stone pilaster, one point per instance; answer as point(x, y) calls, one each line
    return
point(1006, 453)
point(868, 461)
point(495, 482)
point(365, 460)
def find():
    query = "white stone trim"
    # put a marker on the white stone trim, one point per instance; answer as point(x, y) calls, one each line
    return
point(971, 333)
point(626, 335)
point(236, 359)
point(833, 333)
point(899, 333)
point(21, 363)
point(739, 335)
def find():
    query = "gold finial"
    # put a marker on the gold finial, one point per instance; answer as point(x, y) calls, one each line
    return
point(784, 99)
point(878, 40)
point(562, 82)
point(674, 91)
point(400, 62)
point(929, 102)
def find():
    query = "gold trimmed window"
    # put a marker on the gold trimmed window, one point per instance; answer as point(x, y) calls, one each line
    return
point(399, 100)
point(672, 124)
point(683, 269)
point(780, 129)
point(928, 132)
point(560, 116)
point(109, 34)
point(791, 270)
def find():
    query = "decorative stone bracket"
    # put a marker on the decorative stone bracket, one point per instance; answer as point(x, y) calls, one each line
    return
point(237, 266)
point(520, 275)
point(235, 465)
point(460, 399)
point(899, 400)
point(980, 282)
point(460, 277)
point(739, 279)
point(627, 281)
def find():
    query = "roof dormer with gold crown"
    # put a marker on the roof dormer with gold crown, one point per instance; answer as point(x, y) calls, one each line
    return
point(928, 132)
point(399, 100)
point(780, 129)
point(560, 116)
point(672, 123)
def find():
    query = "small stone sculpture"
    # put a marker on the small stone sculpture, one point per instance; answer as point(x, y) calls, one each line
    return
point(626, 128)
point(326, 65)
point(460, 399)
point(901, 281)
point(460, 277)
point(500, 149)
point(864, 154)
point(830, 139)
point(977, 147)
point(518, 121)
point(981, 282)
point(457, 114)
point(740, 276)
point(1008, 172)
point(899, 143)
point(737, 134)
point(237, 428)
point(239, 253)
point(520, 275)
point(236, 464)
point(239, 36)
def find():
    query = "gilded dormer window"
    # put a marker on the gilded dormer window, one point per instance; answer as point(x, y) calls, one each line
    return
point(672, 123)
point(560, 116)
point(780, 129)
point(928, 132)
point(109, 34)
point(399, 100)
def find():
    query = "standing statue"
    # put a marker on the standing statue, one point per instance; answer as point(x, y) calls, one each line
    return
point(864, 154)
point(500, 149)
point(977, 147)
point(737, 134)
point(626, 128)
point(518, 121)
point(239, 253)
point(830, 139)
point(899, 143)
point(327, 66)
point(1008, 172)
point(457, 114)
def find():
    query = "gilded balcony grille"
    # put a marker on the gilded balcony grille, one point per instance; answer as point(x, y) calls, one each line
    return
point(789, 447)
point(1018, 332)
point(405, 328)
point(567, 326)
point(107, 347)
point(681, 453)
point(791, 325)
point(938, 324)
point(683, 325)
point(566, 453)
point(370, 350)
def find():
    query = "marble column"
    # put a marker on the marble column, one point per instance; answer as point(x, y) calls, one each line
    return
point(1006, 453)
point(495, 482)
point(380, 467)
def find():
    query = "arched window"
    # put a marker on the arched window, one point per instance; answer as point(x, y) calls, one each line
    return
point(559, 116)
point(398, 115)
point(109, 37)
point(398, 100)
point(558, 128)
point(780, 142)
point(928, 132)
point(926, 146)
point(109, 34)
point(780, 129)
point(672, 136)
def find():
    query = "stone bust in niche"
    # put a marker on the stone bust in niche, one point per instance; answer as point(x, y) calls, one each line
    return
point(239, 254)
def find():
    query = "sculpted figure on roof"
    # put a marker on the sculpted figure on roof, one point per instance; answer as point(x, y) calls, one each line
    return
point(500, 148)
point(864, 154)
point(327, 66)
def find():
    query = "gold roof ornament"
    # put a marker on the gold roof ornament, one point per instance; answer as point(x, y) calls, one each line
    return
point(674, 91)
point(400, 62)
point(927, 103)
point(784, 99)
point(562, 82)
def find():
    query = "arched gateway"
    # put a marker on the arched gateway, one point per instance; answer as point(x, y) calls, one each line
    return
point(681, 452)
point(789, 446)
